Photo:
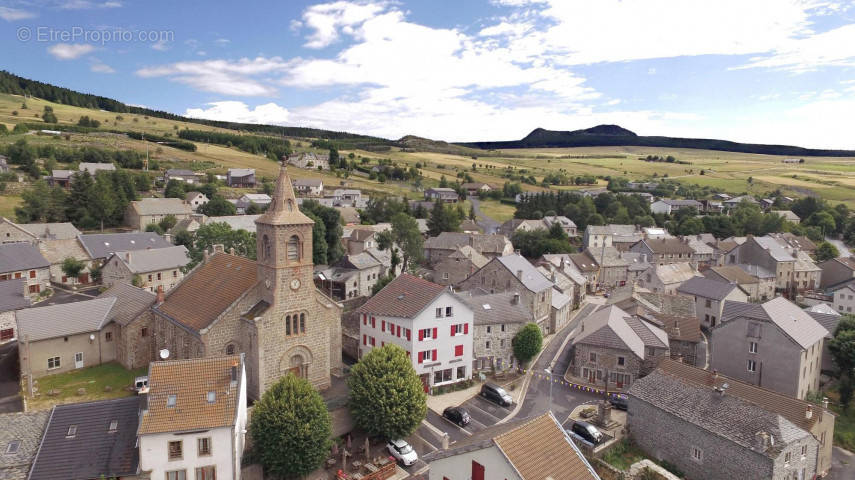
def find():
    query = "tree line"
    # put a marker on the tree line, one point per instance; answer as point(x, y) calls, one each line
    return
point(273, 148)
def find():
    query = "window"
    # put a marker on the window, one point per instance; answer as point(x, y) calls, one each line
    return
point(53, 362)
point(211, 397)
point(158, 275)
point(697, 454)
point(448, 312)
point(592, 357)
point(293, 248)
point(487, 345)
point(426, 333)
point(438, 312)
point(6, 334)
point(752, 366)
point(288, 325)
point(424, 356)
point(302, 323)
point(174, 273)
point(488, 329)
point(114, 425)
point(230, 349)
point(461, 372)
point(144, 332)
point(175, 450)
point(752, 347)
point(108, 337)
point(17, 274)
point(32, 274)
point(204, 446)
point(804, 450)
point(12, 447)
point(206, 473)
point(458, 350)
point(621, 361)
point(787, 457)
point(149, 277)
point(503, 327)
point(72, 431)
point(445, 276)
point(709, 303)
point(265, 247)
point(171, 400)
point(176, 475)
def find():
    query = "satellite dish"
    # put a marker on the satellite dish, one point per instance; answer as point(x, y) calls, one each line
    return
point(164, 354)
point(91, 337)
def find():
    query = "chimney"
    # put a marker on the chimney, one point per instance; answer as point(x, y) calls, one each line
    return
point(519, 274)
point(795, 253)
point(516, 299)
point(761, 441)
point(809, 412)
point(232, 251)
point(128, 257)
point(167, 237)
point(825, 402)
point(160, 295)
point(205, 255)
point(219, 248)
point(472, 240)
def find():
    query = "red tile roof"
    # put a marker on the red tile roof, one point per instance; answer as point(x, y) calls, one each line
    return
point(403, 297)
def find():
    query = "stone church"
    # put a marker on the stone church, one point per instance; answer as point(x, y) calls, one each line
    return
point(268, 309)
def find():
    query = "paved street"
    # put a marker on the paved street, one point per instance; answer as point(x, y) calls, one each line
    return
point(61, 295)
point(488, 224)
point(10, 399)
point(842, 465)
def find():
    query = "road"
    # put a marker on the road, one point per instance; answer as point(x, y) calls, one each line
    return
point(488, 224)
point(10, 398)
point(841, 247)
point(842, 465)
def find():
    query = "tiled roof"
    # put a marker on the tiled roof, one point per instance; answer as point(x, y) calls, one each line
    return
point(130, 302)
point(54, 321)
point(792, 320)
point(706, 288)
point(94, 451)
point(51, 231)
point(662, 246)
point(675, 272)
point(484, 243)
point(724, 415)
point(56, 251)
point(101, 245)
point(15, 257)
point(27, 429)
point(611, 327)
point(220, 281)
point(732, 273)
point(142, 261)
point(13, 296)
point(496, 308)
point(190, 381)
point(403, 297)
point(525, 272)
point(161, 206)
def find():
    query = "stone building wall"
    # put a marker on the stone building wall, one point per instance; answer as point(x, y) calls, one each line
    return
point(494, 278)
point(135, 348)
point(500, 353)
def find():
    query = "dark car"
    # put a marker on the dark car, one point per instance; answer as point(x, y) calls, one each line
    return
point(496, 394)
point(588, 432)
point(458, 415)
point(621, 402)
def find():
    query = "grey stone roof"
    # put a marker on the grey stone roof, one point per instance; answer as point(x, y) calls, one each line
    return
point(182, 172)
point(130, 302)
point(484, 243)
point(777, 251)
point(61, 174)
point(237, 222)
point(93, 452)
point(606, 257)
point(241, 172)
point(101, 245)
point(51, 231)
point(161, 206)
point(822, 308)
point(725, 416)
point(792, 320)
point(382, 256)
point(26, 429)
point(13, 296)
point(531, 278)
point(559, 300)
point(54, 321)
point(675, 272)
point(559, 219)
point(308, 182)
point(143, 261)
point(56, 251)
point(682, 203)
point(496, 308)
point(668, 245)
point(611, 327)
point(360, 261)
point(94, 168)
point(15, 257)
point(611, 229)
point(828, 321)
point(706, 288)
point(635, 261)
point(674, 305)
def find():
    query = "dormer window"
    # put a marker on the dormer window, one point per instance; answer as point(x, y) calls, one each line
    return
point(12, 447)
point(114, 425)
point(72, 431)
point(170, 400)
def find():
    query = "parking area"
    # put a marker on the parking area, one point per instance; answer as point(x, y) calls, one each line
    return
point(483, 414)
point(61, 295)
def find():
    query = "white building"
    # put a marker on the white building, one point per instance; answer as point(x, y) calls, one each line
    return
point(844, 299)
point(194, 424)
point(428, 321)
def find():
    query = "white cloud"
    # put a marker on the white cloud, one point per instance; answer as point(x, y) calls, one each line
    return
point(86, 5)
point(13, 14)
point(832, 48)
point(222, 41)
point(68, 51)
point(233, 111)
point(100, 67)
point(221, 76)
point(326, 19)
point(160, 45)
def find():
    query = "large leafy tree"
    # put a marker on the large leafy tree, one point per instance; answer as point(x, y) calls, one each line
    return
point(218, 207)
point(332, 230)
point(527, 342)
point(72, 267)
point(215, 233)
point(386, 395)
point(319, 240)
point(842, 349)
point(826, 251)
point(405, 234)
point(443, 219)
point(290, 428)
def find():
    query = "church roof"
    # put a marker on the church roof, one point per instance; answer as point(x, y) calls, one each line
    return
point(283, 209)
point(209, 290)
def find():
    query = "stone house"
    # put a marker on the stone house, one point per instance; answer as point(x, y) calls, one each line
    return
point(11, 232)
point(758, 289)
point(367, 270)
point(613, 235)
point(446, 243)
point(180, 174)
point(793, 242)
point(844, 298)
point(775, 345)
point(513, 451)
point(663, 251)
point(513, 273)
point(206, 440)
point(309, 187)
point(133, 334)
point(588, 268)
point(360, 239)
point(56, 251)
point(709, 296)
point(669, 205)
point(614, 348)
point(514, 225)
point(142, 213)
point(268, 309)
point(24, 260)
point(703, 253)
point(806, 274)
point(195, 200)
point(826, 316)
point(13, 297)
point(473, 189)
point(318, 161)
point(559, 314)
point(247, 199)
point(20, 438)
point(240, 177)
point(441, 194)
point(497, 318)
point(637, 263)
point(766, 253)
point(60, 338)
point(458, 266)
point(566, 224)
point(693, 419)
point(100, 246)
point(666, 278)
point(837, 271)
point(613, 268)
point(566, 277)
point(147, 269)
point(428, 321)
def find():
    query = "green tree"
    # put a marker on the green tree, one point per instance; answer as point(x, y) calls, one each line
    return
point(48, 116)
point(334, 158)
point(405, 234)
point(386, 394)
point(290, 428)
point(331, 219)
point(168, 222)
point(381, 282)
point(442, 219)
point(443, 182)
point(103, 201)
point(153, 227)
point(175, 189)
point(319, 240)
point(527, 342)
point(214, 233)
point(72, 267)
point(253, 209)
point(826, 251)
point(218, 207)
point(824, 220)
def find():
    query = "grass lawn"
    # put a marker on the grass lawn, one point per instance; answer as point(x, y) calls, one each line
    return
point(93, 379)
point(844, 424)
point(624, 454)
point(496, 210)
point(8, 204)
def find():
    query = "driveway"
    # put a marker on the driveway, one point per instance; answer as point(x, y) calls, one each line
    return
point(488, 224)
point(842, 464)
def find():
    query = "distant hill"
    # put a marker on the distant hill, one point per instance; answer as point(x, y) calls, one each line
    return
point(419, 144)
point(616, 136)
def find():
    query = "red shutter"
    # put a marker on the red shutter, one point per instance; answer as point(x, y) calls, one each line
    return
point(458, 350)
point(452, 330)
point(434, 354)
point(365, 339)
point(477, 471)
point(365, 319)
point(382, 344)
point(399, 331)
point(465, 329)
point(420, 357)
point(408, 334)
point(373, 322)
point(434, 332)
point(383, 326)
point(421, 334)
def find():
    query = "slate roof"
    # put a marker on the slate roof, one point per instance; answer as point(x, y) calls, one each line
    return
point(468, 253)
point(93, 452)
point(725, 416)
point(101, 245)
point(777, 251)
point(611, 327)
point(238, 222)
point(787, 214)
point(94, 168)
point(241, 172)
point(828, 320)
point(706, 288)
point(822, 308)
point(190, 381)
point(180, 172)
point(15, 257)
point(584, 262)
point(13, 296)
point(56, 251)
point(161, 206)
point(130, 302)
point(484, 243)
point(607, 256)
point(54, 321)
point(559, 219)
point(804, 263)
point(61, 174)
point(309, 182)
point(190, 196)
point(635, 261)
point(663, 246)
point(496, 308)
point(531, 278)
point(848, 262)
point(403, 297)
point(611, 229)
point(791, 240)
point(559, 300)
point(26, 429)
point(360, 261)
point(731, 273)
point(220, 281)
point(792, 320)
point(673, 313)
point(675, 272)
point(51, 231)
point(142, 261)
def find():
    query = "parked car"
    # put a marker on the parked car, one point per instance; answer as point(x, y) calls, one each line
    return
point(588, 432)
point(458, 415)
point(402, 451)
point(496, 394)
point(621, 402)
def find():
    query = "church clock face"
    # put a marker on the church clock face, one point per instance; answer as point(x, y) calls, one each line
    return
point(295, 284)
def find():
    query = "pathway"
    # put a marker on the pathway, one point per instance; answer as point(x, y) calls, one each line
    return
point(841, 247)
point(488, 224)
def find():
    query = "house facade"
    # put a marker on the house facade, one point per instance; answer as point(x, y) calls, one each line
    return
point(195, 200)
point(663, 251)
point(13, 297)
point(837, 271)
point(497, 319)
point(241, 177)
point(844, 299)
point(709, 296)
point(147, 269)
point(24, 260)
point(142, 213)
point(446, 243)
point(457, 267)
point(441, 194)
point(309, 187)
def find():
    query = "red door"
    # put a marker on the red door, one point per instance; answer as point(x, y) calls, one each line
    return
point(83, 278)
point(477, 471)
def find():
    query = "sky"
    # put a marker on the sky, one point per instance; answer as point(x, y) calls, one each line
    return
point(760, 71)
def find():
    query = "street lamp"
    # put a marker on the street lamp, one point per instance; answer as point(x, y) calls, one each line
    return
point(549, 372)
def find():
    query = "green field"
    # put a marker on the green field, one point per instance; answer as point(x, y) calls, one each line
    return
point(94, 380)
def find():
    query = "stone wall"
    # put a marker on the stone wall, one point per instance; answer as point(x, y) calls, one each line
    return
point(494, 278)
point(135, 350)
point(500, 354)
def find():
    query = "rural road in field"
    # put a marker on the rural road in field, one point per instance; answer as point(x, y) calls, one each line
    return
point(488, 224)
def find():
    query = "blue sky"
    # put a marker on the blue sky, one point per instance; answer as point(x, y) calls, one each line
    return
point(766, 71)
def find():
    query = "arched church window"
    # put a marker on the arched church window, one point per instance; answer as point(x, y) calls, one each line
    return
point(295, 325)
point(293, 248)
point(302, 323)
point(290, 206)
point(265, 247)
